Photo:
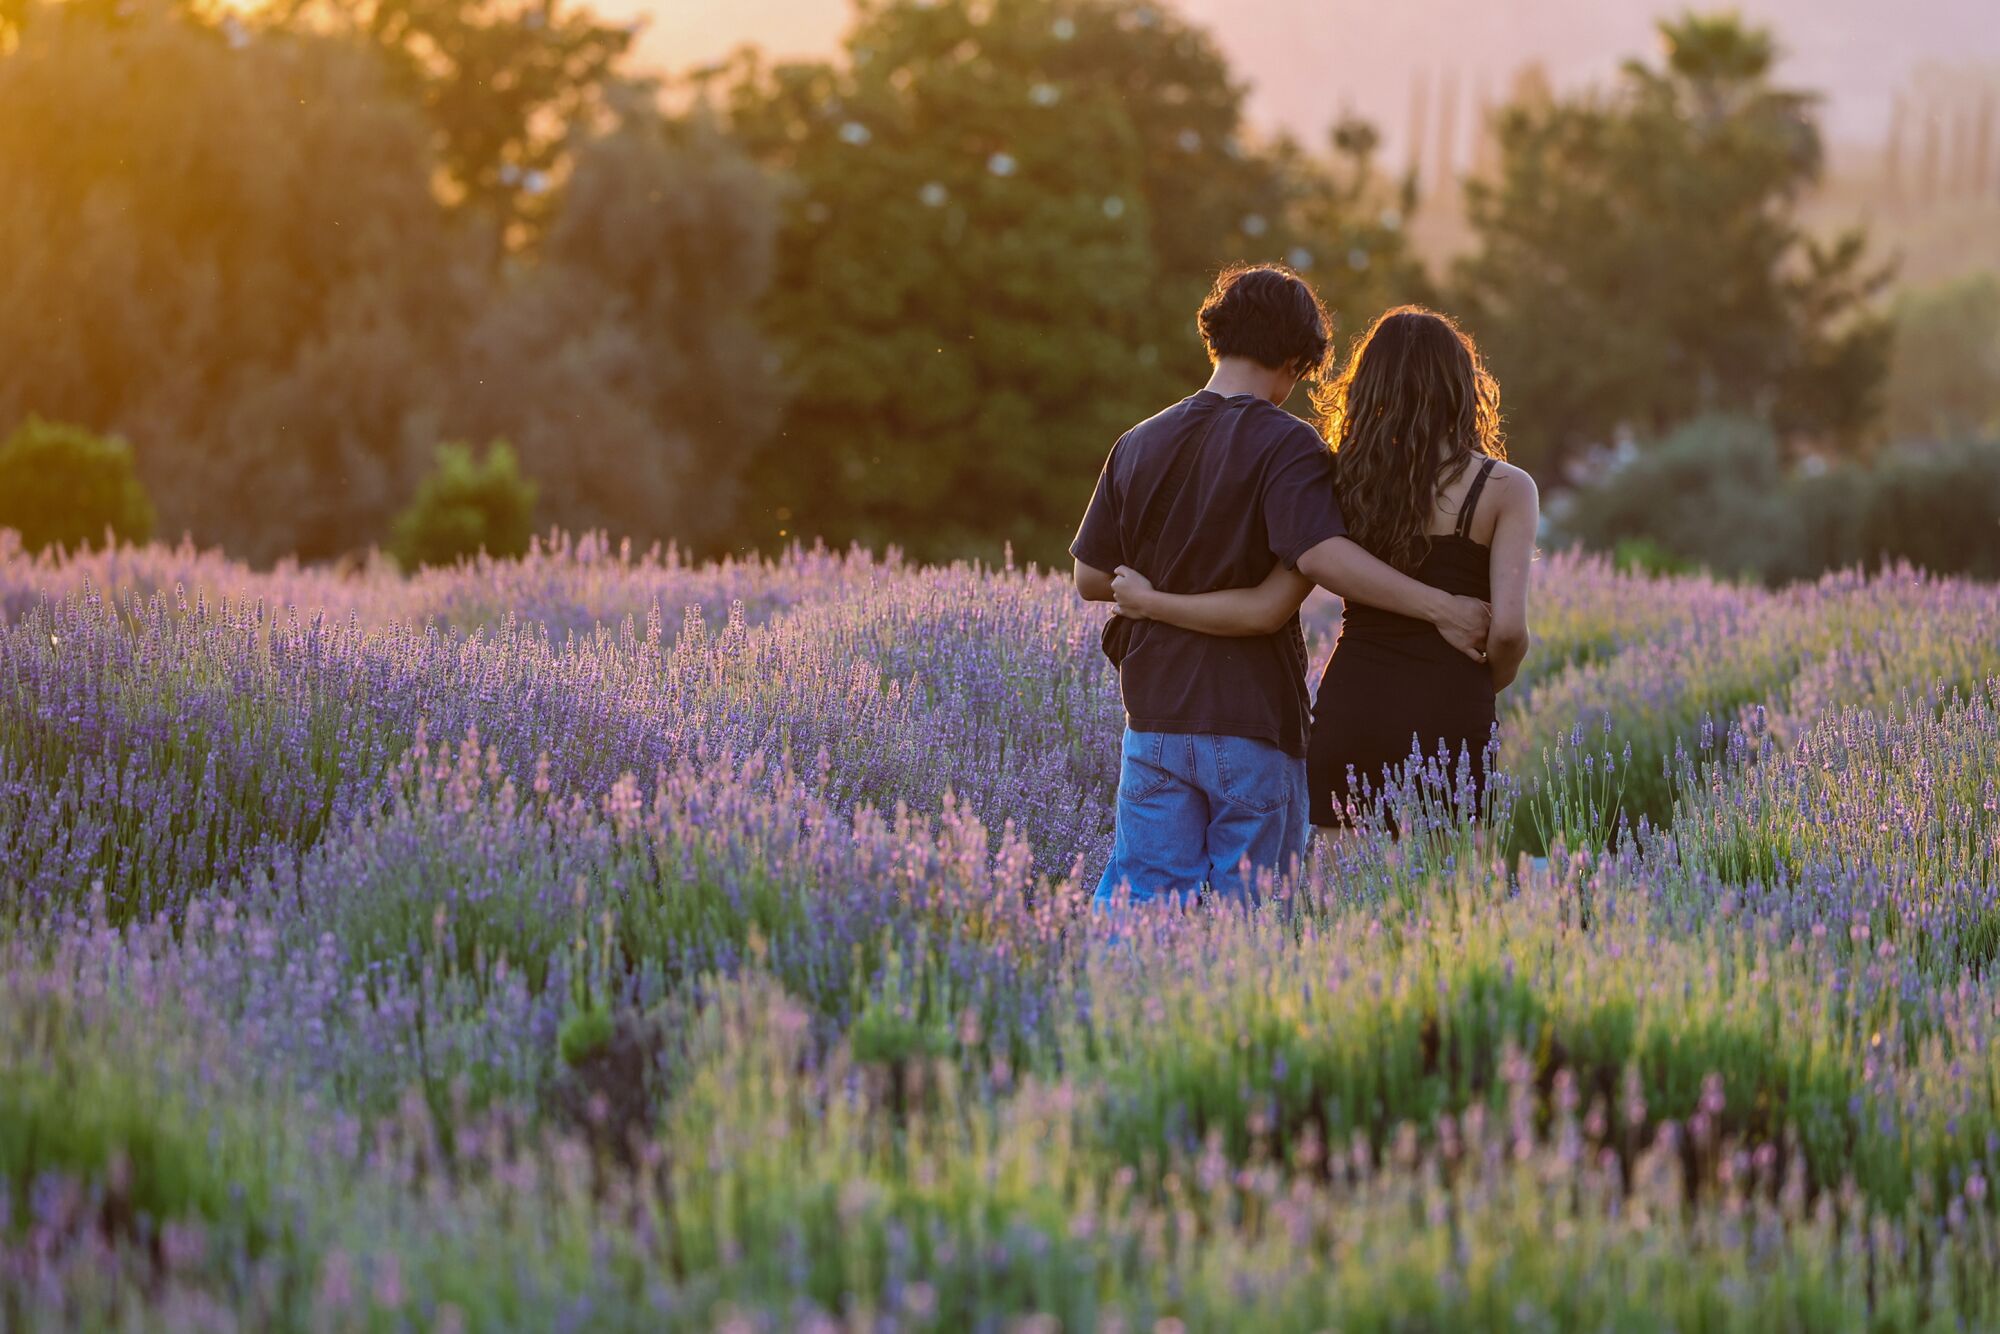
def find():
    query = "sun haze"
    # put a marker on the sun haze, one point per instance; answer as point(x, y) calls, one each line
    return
point(1307, 59)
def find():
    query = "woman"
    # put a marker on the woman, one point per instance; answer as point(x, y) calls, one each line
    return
point(1415, 421)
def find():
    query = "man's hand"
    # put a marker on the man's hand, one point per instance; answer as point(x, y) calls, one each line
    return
point(1129, 588)
point(1464, 622)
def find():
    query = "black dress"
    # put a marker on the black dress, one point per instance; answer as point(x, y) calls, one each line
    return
point(1394, 681)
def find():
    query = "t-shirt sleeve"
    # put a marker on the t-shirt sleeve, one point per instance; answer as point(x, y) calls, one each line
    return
point(1097, 543)
point(1300, 508)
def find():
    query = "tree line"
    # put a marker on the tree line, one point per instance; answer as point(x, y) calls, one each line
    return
point(908, 294)
point(286, 260)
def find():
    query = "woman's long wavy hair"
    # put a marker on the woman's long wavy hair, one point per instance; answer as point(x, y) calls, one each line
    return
point(1406, 416)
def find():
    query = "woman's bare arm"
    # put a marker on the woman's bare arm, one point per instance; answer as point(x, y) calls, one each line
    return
point(1343, 568)
point(1513, 555)
point(1232, 612)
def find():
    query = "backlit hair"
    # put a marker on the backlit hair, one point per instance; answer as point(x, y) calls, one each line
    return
point(1407, 414)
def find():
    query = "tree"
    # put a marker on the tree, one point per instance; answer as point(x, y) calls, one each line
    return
point(506, 84)
point(1641, 262)
point(230, 256)
point(233, 256)
point(1344, 227)
point(61, 486)
point(1001, 221)
point(624, 358)
point(962, 276)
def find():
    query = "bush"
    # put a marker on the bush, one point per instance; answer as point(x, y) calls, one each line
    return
point(1937, 508)
point(1710, 494)
point(1644, 555)
point(467, 506)
point(61, 486)
point(1714, 495)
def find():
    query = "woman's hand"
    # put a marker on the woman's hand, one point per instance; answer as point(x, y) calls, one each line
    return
point(1130, 589)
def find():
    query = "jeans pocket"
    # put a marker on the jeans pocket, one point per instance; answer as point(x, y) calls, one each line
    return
point(1142, 773)
point(1253, 774)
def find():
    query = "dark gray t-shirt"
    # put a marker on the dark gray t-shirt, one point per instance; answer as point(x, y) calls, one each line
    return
point(1259, 491)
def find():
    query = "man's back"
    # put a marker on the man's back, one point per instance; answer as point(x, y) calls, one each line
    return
point(1258, 490)
point(1209, 495)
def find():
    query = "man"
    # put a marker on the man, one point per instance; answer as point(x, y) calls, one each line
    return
point(1207, 495)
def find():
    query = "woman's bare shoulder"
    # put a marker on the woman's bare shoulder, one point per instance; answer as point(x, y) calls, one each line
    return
point(1513, 485)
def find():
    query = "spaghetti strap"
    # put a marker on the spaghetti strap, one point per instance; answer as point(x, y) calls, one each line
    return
point(1471, 503)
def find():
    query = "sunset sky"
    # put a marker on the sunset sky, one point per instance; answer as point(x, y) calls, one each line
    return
point(1306, 58)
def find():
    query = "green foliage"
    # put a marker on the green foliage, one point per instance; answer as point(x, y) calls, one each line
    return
point(1645, 555)
point(1344, 227)
point(1263, 1070)
point(1365, 1033)
point(61, 486)
point(1580, 797)
point(467, 506)
point(1771, 812)
point(1715, 495)
point(233, 256)
point(1938, 508)
point(627, 365)
point(1002, 220)
point(899, 1023)
point(76, 1099)
point(503, 82)
point(585, 1032)
point(885, 1035)
point(1944, 377)
point(996, 222)
point(78, 1122)
point(1710, 493)
point(1640, 260)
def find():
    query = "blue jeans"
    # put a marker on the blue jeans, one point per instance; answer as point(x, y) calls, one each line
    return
point(1193, 809)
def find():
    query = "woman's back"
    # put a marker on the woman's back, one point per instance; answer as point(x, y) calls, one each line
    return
point(1457, 560)
point(1394, 684)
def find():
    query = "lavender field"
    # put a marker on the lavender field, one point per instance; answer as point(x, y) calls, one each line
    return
point(605, 942)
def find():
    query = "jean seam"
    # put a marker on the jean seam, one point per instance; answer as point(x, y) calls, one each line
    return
point(1160, 777)
point(1229, 784)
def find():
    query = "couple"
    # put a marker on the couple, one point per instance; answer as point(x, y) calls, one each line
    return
point(1212, 521)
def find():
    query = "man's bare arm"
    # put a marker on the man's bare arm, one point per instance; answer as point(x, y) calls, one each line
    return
point(1094, 584)
point(1342, 567)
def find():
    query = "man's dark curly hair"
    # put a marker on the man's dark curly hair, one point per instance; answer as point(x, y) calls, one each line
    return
point(1269, 314)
